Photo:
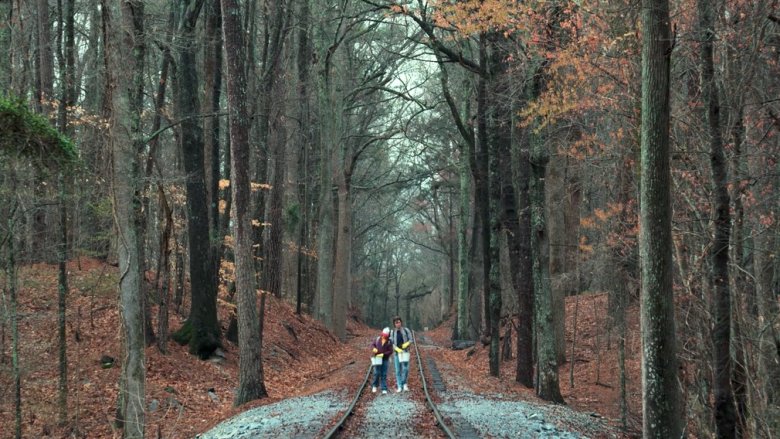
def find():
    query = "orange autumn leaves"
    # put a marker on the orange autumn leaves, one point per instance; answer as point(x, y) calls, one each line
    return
point(591, 54)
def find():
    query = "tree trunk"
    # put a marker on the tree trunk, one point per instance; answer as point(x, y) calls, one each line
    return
point(205, 333)
point(768, 309)
point(68, 96)
point(304, 137)
point(343, 264)
point(547, 385)
point(274, 137)
point(6, 68)
point(10, 273)
point(464, 172)
point(164, 268)
point(178, 265)
point(725, 413)
point(522, 268)
point(661, 406)
point(482, 191)
point(251, 384)
point(125, 51)
point(465, 164)
point(62, 283)
point(547, 382)
point(502, 192)
point(212, 78)
point(277, 164)
point(330, 135)
point(45, 59)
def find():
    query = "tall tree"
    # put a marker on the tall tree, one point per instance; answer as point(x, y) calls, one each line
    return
point(202, 321)
point(251, 384)
point(11, 273)
point(725, 412)
point(212, 78)
point(125, 53)
point(545, 311)
point(661, 406)
point(275, 134)
point(68, 67)
point(6, 68)
point(304, 137)
point(547, 384)
point(44, 102)
point(502, 207)
point(330, 103)
point(465, 159)
point(44, 59)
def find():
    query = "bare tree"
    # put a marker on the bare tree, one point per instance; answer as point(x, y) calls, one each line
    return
point(660, 388)
point(203, 325)
point(725, 412)
point(125, 56)
point(251, 384)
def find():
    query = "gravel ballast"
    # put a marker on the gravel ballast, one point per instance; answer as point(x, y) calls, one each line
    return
point(302, 417)
point(500, 418)
point(390, 415)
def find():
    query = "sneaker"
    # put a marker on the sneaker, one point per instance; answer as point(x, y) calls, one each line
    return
point(373, 389)
point(398, 390)
point(384, 392)
point(406, 388)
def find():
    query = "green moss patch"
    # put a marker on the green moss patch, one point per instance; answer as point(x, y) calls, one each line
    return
point(24, 133)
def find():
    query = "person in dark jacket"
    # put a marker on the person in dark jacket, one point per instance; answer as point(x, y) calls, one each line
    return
point(401, 338)
point(381, 347)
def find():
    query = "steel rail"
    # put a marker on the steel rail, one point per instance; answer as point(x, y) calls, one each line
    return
point(434, 409)
point(332, 432)
point(439, 419)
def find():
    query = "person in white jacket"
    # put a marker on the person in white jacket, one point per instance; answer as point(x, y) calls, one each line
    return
point(402, 339)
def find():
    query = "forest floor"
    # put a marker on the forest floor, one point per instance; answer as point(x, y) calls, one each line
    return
point(186, 396)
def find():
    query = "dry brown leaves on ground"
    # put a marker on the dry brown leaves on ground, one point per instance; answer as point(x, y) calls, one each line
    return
point(300, 357)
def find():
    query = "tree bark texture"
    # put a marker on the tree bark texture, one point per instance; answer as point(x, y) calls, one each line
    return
point(212, 78)
point(44, 103)
point(205, 332)
point(725, 412)
point(274, 137)
point(10, 272)
point(6, 68)
point(661, 406)
point(342, 279)
point(482, 188)
point(304, 138)
point(250, 376)
point(67, 23)
point(125, 51)
point(62, 296)
point(330, 109)
point(464, 197)
point(45, 57)
point(522, 273)
point(547, 385)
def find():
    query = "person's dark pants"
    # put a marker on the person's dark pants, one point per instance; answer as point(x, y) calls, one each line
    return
point(380, 373)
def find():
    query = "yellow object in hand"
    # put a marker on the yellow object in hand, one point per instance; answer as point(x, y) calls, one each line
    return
point(405, 345)
point(380, 355)
point(376, 350)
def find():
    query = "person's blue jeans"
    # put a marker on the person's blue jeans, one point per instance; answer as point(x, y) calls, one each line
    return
point(401, 371)
point(380, 373)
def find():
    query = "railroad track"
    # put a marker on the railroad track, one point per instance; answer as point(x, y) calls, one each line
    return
point(361, 406)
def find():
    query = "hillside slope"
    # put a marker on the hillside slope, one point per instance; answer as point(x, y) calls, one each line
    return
point(186, 396)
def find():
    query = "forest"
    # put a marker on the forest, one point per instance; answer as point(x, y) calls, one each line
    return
point(472, 165)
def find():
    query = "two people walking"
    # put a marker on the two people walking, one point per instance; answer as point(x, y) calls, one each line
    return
point(392, 341)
